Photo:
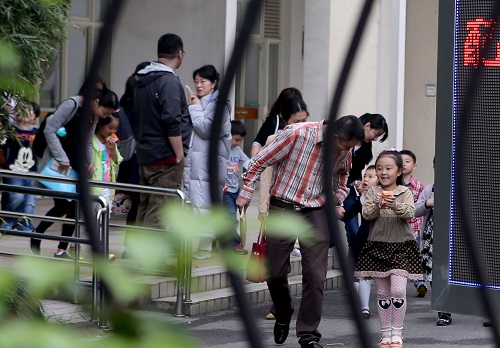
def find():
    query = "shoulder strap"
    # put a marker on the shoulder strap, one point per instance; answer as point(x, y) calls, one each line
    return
point(277, 124)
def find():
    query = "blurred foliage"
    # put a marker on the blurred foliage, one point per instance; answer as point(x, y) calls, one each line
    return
point(32, 279)
point(31, 32)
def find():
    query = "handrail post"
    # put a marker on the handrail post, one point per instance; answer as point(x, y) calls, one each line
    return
point(103, 213)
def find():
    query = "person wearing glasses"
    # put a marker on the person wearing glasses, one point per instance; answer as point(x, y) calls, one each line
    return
point(162, 127)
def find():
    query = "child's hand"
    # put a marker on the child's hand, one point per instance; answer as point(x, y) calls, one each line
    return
point(358, 184)
point(391, 202)
point(110, 143)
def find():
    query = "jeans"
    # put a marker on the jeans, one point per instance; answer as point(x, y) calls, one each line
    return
point(229, 199)
point(19, 202)
point(351, 226)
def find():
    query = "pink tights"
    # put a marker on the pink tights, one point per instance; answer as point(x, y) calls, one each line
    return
point(391, 298)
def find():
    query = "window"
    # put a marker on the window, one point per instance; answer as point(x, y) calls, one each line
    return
point(73, 63)
point(257, 80)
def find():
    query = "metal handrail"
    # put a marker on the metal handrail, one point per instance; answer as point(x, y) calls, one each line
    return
point(184, 262)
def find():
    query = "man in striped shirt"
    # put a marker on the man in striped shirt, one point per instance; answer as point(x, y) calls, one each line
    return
point(297, 186)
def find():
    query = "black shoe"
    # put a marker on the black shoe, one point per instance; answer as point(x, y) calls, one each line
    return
point(63, 255)
point(281, 332)
point(311, 344)
point(444, 319)
point(487, 323)
point(35, 246)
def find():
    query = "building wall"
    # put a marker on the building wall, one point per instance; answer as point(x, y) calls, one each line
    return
point(421, 69)
point(375, 82)
point(200, 24)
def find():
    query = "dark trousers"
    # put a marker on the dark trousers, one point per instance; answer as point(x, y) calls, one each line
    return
point(61, 207)
point(165, 176)
point(351, 226)
point(314, 250)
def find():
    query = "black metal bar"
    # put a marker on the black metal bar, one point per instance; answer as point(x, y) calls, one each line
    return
point(44, 236)
point(39, 191)
point(345, 262)
point(112, 14)
point(252, 11)
point(112, 185)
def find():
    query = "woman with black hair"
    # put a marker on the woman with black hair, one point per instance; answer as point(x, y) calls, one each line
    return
point(196, 183)
point(274, 122)
point(64, 151)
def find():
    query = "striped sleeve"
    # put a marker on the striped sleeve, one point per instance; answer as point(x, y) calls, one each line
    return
point(270, 154)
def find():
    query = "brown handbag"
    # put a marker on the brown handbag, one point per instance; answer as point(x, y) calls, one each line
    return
point(256, 267)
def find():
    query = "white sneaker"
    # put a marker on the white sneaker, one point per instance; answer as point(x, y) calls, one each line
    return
point(202, 255)
point(296, 253)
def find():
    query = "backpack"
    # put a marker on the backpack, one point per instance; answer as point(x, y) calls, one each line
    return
point(126, 144)
point(40, 142)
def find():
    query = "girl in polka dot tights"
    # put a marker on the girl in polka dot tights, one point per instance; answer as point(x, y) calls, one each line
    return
point(391, 255)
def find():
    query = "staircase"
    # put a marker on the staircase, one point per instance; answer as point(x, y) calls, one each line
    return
point(212, 291)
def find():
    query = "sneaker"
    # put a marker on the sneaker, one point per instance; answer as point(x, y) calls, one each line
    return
point(202, 255)
point(7, 225)
point(421, 289)
point(24, 224)
point(296, 252)
point(63, 255)
point(444, 319)
point(270, 316)
point(487, 323)
point(239, 250)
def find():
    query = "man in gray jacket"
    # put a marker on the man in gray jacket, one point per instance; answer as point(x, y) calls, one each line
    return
point(162, 125)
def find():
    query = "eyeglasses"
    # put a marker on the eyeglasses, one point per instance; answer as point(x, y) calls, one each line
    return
point(183, 52)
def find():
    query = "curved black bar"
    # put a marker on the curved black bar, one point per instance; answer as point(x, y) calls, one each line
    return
point(253, 9)
point(88, 92)
point(112, 15)
point(346, 263)
point(463, 198)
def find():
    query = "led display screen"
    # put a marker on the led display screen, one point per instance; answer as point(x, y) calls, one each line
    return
point(481, 162)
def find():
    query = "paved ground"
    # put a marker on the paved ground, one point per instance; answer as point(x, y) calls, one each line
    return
point(223, 329)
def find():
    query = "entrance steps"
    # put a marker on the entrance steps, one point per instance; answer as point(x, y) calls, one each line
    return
point(212, 291)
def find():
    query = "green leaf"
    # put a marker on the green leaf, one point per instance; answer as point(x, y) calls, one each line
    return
point(8, 57)
point(187, 224)
point(234, 262)
point(120, 283)
point(42, 276)
point(38, 334)
point(288, 225)
point(149, 249)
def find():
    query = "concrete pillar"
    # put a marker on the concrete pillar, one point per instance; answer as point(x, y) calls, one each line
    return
point(391, 68)
point(317, 43)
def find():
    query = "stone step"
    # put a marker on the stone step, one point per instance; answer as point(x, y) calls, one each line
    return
point(208, 278)
point(223, 299)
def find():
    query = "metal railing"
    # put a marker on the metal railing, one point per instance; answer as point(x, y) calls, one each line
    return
point(102, 219)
